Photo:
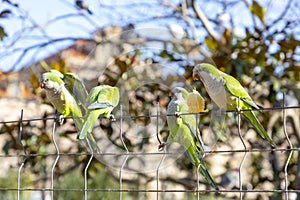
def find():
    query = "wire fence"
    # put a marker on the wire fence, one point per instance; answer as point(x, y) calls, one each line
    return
point(159, 190)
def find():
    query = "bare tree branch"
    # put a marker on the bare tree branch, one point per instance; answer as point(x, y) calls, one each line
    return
point(205, 22)
point(193, 27)
point(281, 16)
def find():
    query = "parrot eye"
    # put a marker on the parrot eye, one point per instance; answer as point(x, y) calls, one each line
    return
point(196, 77)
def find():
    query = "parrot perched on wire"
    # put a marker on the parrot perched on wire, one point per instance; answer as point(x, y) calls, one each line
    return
point(183, 131)
point(59, 89)
point(100, 102)
point(225, 90)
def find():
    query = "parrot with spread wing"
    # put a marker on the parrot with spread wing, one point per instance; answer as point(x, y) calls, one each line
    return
point(225, 90)
point(183, 131)
point(100, 102)
point(60, 95)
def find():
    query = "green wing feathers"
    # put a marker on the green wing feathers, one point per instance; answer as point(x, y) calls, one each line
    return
point(195, 157)
point(76, 87)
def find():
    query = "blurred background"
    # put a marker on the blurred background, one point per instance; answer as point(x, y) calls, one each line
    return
point(145, 49)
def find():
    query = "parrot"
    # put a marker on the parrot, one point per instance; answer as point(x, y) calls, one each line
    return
point(183, 131)
point(60, 96)
point(225, 91)
point(100, 102)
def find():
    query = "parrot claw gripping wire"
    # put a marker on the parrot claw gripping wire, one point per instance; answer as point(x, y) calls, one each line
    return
point(162, 146)
point(177, 114)
point(60, 119)
point(112, 117)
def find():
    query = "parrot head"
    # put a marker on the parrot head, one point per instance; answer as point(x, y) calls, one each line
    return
point(179, 93)
point(204, 68)
point(51, 80)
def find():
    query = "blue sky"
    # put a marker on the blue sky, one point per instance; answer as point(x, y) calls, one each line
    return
point(40, 14)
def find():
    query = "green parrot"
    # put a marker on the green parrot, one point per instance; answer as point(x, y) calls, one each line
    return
point(60, 95)
point(100, 102)
point(225, 90)
point(183, 131)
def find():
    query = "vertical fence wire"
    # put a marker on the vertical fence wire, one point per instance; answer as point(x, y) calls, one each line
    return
point(87, 168)
point(55, 161)
point(25, 154)
point(291, 152)
point(198, 180)
point(245, 148)
point(157, 172)
point(126, 157)
point(159, 148)
point(197, 118)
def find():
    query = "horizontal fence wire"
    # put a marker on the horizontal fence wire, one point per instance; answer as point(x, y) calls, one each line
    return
point(24, 155)
point(157, 115)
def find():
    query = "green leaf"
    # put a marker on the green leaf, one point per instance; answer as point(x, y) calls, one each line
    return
point(258, 10)
point(211, 43)
point(3, 34)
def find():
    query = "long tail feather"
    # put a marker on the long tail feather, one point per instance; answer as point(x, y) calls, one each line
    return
point(258, 127)
point(79, 123)
point(88, 125)
point(203, 170)
point(196, 158)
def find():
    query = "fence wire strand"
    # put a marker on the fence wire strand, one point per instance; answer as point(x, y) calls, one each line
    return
point(245, 148)
point(25, 157)
point(55, 161)
point(162, 151)
point(86, 169)
point(126, 149)
point(291, 152)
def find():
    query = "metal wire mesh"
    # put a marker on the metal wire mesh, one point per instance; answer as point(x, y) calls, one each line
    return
point(286, 193)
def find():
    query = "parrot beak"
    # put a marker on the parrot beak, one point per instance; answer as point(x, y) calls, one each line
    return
point(42, 84)
point(171, 94)
point(196, 76)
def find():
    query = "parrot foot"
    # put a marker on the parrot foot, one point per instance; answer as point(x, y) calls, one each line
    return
point(60, 119)
point(238, 110)
point(177, 114)
point(162, 146)
point(112, 117)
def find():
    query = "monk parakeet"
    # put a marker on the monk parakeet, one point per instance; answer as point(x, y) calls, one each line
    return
point(60, 95)
point(183, 131)
point(100, 102)
point(225, 90)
